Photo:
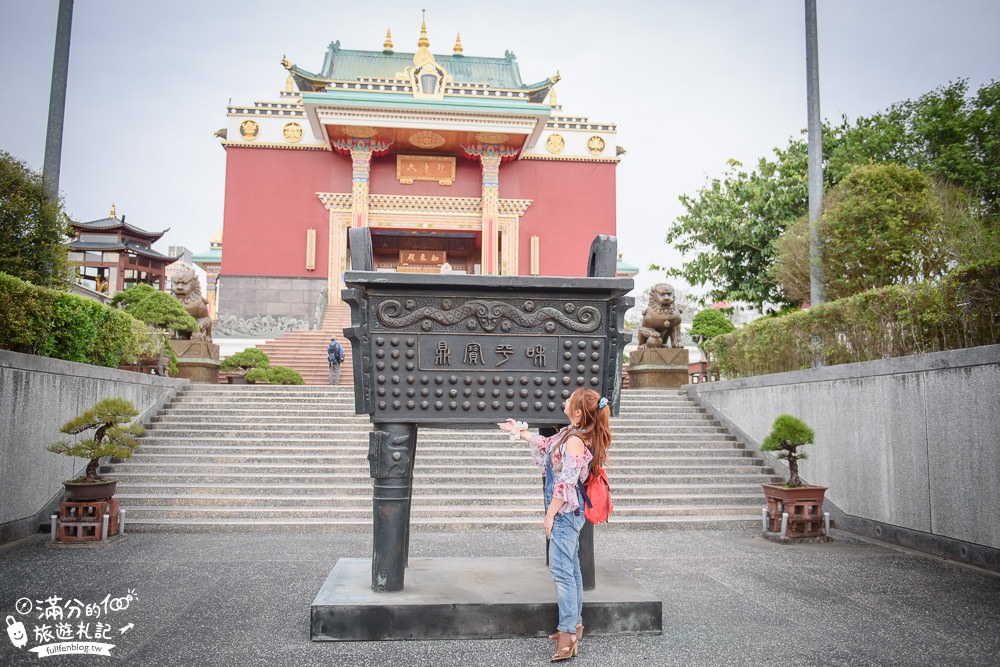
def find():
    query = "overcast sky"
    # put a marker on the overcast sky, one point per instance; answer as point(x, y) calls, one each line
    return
point(690, 83)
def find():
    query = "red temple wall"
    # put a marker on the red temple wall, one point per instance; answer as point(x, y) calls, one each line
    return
point(271, 202)
point(572, 203)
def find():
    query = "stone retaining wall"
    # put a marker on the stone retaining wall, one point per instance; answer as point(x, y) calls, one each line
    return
point(908, 446)
point(37, 396)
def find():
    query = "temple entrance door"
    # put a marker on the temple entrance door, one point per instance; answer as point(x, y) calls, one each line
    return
point(422, 252)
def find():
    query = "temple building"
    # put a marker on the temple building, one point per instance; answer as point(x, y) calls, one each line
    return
point(110, 255)
point(451, 161)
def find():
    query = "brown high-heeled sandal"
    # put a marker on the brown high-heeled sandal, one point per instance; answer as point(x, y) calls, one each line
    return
point(566, 647)
point(579, 633)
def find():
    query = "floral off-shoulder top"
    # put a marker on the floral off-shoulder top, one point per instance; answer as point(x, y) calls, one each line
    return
point(567, 468)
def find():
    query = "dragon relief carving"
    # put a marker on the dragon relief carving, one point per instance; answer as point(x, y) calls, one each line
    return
point(489, 315)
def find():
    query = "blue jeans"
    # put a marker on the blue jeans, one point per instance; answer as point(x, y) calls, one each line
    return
point(564, 564)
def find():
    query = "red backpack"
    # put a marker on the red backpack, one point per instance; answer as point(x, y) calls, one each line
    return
point(596, 492)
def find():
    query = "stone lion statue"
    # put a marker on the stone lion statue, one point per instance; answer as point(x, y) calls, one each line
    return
point(661, 320)
point(187, 290)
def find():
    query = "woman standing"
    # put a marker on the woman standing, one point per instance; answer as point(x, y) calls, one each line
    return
point(567, 458)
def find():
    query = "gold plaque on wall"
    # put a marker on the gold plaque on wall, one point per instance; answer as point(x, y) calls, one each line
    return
point(292, 132)
point(595, 145)
point(249, 130)
point(423, 257)
point(555, 143)
point(438, 168)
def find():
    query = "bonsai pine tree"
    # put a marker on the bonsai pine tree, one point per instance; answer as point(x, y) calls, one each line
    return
point(245, 360)
point(154, 307)
point(110, 438)
point(275, 375)
point(787, 435)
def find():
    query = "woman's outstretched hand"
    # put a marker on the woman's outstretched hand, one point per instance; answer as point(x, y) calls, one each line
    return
point(514, 428)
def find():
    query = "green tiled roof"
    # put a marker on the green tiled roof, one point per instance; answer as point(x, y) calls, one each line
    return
point(212, 255)
point(625, 267)
point(351, 65)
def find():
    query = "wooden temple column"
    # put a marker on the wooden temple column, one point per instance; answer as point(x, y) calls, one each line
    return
point(490, 156)
point(361, 152)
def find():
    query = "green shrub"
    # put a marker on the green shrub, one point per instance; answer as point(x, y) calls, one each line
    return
point(899, 320)
point(245, 360)
point(52, 323)
point(73, 331)
point(274, 375)
point(26, 313)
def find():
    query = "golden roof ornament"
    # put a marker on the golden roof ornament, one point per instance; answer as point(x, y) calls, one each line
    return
point(113, 213)
point(423, 54)
point(387, 45)
point(458, 44)
point(552, 98)
point(423, 41)
point(289, 84)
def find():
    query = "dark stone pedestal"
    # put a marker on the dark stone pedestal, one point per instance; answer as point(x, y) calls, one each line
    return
point(473, 598)
point(658, 368)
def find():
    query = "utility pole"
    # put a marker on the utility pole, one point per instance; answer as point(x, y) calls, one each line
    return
point(57, 101)
point(816, 279)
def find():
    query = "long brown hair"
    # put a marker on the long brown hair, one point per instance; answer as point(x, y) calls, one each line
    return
point(594, 427)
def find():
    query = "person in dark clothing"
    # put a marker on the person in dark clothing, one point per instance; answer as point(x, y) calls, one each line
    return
point(335, 357)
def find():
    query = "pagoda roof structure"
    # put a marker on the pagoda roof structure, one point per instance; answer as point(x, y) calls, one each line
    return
point(350, 65)
point(115, 224)
point(114, 234)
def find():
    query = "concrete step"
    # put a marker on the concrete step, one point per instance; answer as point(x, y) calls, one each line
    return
point(262, 457)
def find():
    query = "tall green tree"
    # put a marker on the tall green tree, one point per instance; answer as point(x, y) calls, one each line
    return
point(33, 229)
point(730, 226)
point(884, 224)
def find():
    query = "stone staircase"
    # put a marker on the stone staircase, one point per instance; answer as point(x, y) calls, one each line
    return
point(305, 351)
point(270, 456)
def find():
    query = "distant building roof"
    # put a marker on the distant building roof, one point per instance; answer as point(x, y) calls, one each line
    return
point(626, 268)
point(211, 255)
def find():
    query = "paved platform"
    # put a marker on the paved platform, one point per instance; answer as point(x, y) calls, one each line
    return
point(729, 597)
point(473, 598)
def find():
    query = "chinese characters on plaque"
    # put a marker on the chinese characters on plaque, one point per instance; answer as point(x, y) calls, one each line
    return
point(410, 168)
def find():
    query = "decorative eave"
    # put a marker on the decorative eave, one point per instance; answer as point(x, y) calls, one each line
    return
point(472, 206)
point(333, 108)
point(118, 246)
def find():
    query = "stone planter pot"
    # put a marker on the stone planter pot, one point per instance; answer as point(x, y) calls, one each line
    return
point(236, 379)
point(804, 505)
point(85, 491)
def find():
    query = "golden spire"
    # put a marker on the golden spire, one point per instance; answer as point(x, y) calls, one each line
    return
point(552, 98)
point(423, 41)
point(458, 44)
point(289, 84)
point(113, 213)
point(387, 46)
